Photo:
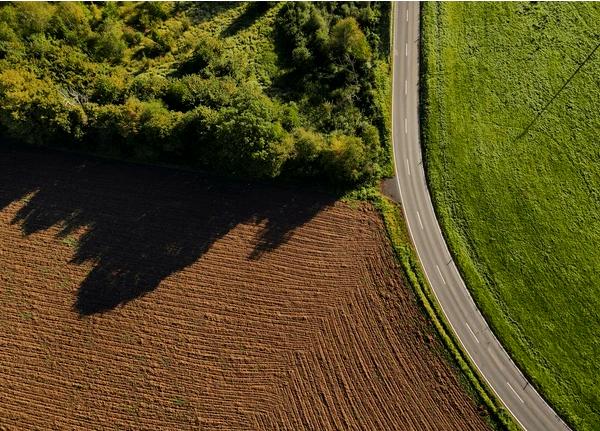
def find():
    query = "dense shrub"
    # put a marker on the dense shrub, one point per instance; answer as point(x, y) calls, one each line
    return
point(108, 44)
point(143, 81)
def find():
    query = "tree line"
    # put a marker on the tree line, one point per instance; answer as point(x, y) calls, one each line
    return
point(116, 79)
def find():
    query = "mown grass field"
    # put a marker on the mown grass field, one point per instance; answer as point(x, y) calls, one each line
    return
point(511, 133)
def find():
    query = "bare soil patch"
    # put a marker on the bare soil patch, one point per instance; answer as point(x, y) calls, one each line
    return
point(145, 298)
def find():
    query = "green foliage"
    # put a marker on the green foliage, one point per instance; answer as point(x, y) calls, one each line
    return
point(346, 156)
point(254, 90)
point(108, 44)
point(511, 138)
point(206, 50)
point(147, 86)
point(34, 111)
point(348, 40)
point(147, 14)
point(192, 90)
point(70, 22)
point(108, 89)
point(251, 136)
point(32, 17)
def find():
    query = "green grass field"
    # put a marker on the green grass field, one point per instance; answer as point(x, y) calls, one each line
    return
point(512, 139)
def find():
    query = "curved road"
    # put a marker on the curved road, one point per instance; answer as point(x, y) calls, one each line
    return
point(494, 364)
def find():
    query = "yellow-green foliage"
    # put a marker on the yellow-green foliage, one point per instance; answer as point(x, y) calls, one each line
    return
point(134, 80)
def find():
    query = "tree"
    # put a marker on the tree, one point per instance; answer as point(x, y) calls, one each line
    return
point(251, 139)
point(109, 44)
point(348, 40)
point(71, 23)
point(346, 158)
point(206, 50)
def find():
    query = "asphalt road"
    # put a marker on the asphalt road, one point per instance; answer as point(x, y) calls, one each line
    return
point(494, 364)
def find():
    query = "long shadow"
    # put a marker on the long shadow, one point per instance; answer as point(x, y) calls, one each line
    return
point(252, 13)
point(142, 223)
point(199, 12)
point(527, 128)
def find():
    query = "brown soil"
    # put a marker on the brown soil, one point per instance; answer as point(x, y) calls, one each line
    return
point(145, 298)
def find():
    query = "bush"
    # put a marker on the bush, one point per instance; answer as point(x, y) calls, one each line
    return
point(206, 50)
point(71, 23)
point(192, 90)
point(147, 86)
point(109, 44)
point(32, 17)
point(156, 135)
point(348, 40)
point(149, 12)
point(108, 89)
point(309, 147)
point(34, 111)
point(346, 158)
point(122, 79)
point(251, 138)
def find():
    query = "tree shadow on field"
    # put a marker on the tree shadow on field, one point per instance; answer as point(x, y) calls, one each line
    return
point(141, 223)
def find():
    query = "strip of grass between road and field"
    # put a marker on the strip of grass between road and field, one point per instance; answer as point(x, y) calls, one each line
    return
point(499, 418)
point(396, 230)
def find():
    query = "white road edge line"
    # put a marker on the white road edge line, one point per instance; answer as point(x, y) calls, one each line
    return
point(471, 331)
point(428, 280)
point(513, 389)
point(419, 217)
point(407, 167)
point(441, 276)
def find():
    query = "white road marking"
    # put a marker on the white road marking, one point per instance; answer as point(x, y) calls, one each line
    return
point(405, 126)
point(406, 15)
point(419, 217)
point(405, 87)
point(513, 389)
point(406, 49)
point(441, 276)
point(407, 167)
point(442, 306)
point(472, 333)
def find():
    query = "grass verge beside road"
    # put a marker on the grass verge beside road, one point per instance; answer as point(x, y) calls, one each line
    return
point(401, 243)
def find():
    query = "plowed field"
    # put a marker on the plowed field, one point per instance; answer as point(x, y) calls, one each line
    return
point(145, 298)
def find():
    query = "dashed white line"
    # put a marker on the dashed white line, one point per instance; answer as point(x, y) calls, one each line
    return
point(406, 49)
point(407, 167)
point(513, 389)
point(440, 272)
point(405, 87)
point(406, 15)
point(471, 331)
point(419, 217)
point(405, 126)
